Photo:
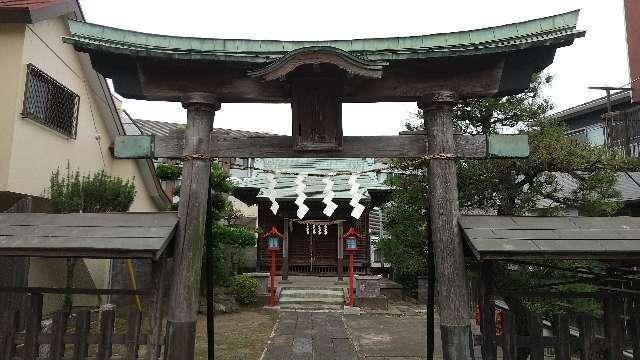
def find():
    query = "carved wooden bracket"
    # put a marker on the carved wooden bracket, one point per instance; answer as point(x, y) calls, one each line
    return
point(315, 55)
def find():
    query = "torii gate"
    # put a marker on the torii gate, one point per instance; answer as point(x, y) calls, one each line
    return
point(316, 77)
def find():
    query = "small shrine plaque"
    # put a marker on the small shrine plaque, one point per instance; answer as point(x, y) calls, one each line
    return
point(316, 109)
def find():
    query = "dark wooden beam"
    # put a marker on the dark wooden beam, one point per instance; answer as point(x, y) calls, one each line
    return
point(487, 311)
point(402, 146)
point(471, 77)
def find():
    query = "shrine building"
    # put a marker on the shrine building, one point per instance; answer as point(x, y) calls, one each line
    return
point(314, 242)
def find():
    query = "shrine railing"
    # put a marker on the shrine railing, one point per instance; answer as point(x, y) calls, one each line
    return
point(565, 336)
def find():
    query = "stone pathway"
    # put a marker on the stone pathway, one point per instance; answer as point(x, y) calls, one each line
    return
point(310, 336)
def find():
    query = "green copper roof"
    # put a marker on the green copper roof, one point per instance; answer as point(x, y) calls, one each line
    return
point(556, 30)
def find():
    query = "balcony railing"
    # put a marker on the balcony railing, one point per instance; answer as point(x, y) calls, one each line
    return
point(623, 131)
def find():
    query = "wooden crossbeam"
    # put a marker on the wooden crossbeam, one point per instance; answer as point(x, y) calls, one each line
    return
point(400, 146)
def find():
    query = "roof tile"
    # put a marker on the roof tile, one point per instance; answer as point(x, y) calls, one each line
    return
point(558, 30)
point(161, 128)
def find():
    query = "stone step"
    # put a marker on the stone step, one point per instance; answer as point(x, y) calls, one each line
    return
point(308, 288)
point(311, 306)
point(312, 293)
point(291, 299)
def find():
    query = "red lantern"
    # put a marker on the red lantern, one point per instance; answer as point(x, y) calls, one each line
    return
point(273, 238)
point(351, 242)
point(351, 239)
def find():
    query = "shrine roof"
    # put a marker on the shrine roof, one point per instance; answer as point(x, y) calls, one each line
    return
point(557, 30)
point(162, 128)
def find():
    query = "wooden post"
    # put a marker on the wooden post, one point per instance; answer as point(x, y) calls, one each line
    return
point(509, 336)
point(634, 327)
point(34, 325)
point(339, 263)
point(81, 341)
point(284, 271)
point(209, 276)
point(57, 338)
point(196, 169)
point(488, 311)
point(107, 322)
point(536, 346)
point(14, 270)
point(635, 333)
point(445, 232)
point(613, 326)
point(134, 325)
point(587, 336)
point(563, 337)
point(8, 327)
point(431, 296)
point(159, 271)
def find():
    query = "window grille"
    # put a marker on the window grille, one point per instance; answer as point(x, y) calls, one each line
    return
point(50, 103)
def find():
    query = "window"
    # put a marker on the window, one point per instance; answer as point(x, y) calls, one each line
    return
point(593, 135)
point(50, 103)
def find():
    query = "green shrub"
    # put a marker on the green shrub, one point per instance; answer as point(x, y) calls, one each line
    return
point(168, 172)
point(246, 289)
point(91, 193)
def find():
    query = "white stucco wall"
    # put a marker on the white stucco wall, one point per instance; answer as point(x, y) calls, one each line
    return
point(38, 150)
point(30, 152)
point(11, 38)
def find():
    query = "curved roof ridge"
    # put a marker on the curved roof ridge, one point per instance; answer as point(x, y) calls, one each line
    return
point(569, 19)
point(559, 28)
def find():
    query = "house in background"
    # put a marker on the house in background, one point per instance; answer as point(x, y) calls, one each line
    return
point(593, 123)
point(56, 111)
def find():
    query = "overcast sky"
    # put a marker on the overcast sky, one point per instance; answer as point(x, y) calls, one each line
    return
point(598, 59)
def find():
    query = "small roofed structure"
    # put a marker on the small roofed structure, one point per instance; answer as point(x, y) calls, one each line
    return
point(116, 235)
point(528, 242)
point(106, 235)
point(571, 237)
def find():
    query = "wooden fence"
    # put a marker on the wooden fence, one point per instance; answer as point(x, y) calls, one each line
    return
point(563, 345)
point(83, 335)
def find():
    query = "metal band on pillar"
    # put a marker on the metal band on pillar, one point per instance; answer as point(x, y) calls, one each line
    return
point(181, 320)
point(445, 233)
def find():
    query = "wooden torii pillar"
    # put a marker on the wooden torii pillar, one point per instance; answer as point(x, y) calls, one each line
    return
point(443, 219)
point(184, 295)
